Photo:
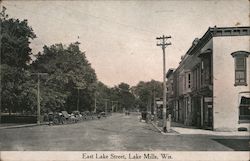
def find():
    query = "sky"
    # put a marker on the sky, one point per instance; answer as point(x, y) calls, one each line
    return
point(119, 37)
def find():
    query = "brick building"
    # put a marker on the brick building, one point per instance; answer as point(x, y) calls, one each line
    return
point(210, 88)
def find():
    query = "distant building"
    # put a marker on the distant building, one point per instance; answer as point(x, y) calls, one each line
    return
point(210, 88)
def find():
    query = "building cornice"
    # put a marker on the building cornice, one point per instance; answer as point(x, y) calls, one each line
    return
point(217, 32)
point(198, 44)
point(240, 53)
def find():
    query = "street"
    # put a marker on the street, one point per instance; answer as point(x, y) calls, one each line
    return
point(115, 133)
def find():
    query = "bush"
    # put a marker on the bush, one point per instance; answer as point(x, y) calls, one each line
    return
point(18, 119)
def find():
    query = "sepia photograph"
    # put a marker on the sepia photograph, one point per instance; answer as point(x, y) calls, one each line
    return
point(124, 80)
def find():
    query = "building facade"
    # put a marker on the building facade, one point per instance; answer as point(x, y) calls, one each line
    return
point(211, 85)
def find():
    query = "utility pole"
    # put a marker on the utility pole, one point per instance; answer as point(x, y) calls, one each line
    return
point(112, 105)
point(78, 88)
point(148, 106)
point(77, 99)
point(115, 106)
point(163, 45)
point(106, 105)
point(38, 99)
point(112, 109)
point(155, 110)
point(95, 103)
point(38, 95)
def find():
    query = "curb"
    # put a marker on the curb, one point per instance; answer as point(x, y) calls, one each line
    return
point(216, 134)
point(156, 127)
point(163, 133)
point(176, 132)
point(21, 126)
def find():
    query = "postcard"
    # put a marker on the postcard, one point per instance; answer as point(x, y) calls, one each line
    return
point(125, 80)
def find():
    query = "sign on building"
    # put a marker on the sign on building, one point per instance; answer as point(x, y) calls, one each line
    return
point(159, 102)
point(208, 99)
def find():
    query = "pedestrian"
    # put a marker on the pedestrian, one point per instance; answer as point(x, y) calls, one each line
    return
point(45, 117)
point(51, 118)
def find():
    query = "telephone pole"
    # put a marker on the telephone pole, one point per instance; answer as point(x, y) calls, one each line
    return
point(95, 104)
point(155, 109)
point(78, 88)
point(38, 95)
point(163, 45)
point(112, 110)
point(115, 106)
point(112, 105)
point(106, 105)
point(77, 99)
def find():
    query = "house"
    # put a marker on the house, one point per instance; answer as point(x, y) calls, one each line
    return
point(211, 85)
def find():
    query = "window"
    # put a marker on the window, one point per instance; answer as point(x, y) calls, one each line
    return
point(202, 65)
point(202, 73)
point(240, 67)
point(189, 80)
point(198, 77)
point(185, 83)
point(244, 109)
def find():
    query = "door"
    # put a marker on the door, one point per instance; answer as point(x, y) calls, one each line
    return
point(208, 115)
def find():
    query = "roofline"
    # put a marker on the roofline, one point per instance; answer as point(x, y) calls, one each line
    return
point(170, 71)
point(218, 32)
point(215, 32)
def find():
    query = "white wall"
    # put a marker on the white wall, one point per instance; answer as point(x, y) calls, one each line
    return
point(225, 94)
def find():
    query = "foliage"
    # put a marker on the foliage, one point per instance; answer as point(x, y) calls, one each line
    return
point(119, 97)
point(70, 82)
point(145, 92)
point(69, 72)
point(127, 99)
point(17, 93)
point(102, 94)
point(15, 36)
point(66, 66)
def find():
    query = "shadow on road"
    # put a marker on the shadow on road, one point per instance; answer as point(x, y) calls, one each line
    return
point(235, 144)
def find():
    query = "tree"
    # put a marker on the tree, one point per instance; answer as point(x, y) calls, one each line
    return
point(118, 96)
point(102, 94)
point(15, 36)
point(68, 71)
point(15, 57)
point(126, 98)
point(67, 67)
point(145, 92)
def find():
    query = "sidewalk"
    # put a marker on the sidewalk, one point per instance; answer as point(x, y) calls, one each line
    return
point(189, 131)
point(180, 129)
point(11, 126)
point(183, 129)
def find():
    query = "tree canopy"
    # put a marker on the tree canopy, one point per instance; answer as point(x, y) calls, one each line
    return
point(69, 74)
point(70, 77)
point(145, 92)
point(15, 58)
point(15, 36)
point(70, 82)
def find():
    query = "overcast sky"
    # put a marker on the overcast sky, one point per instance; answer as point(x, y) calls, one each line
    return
point(119, 36)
